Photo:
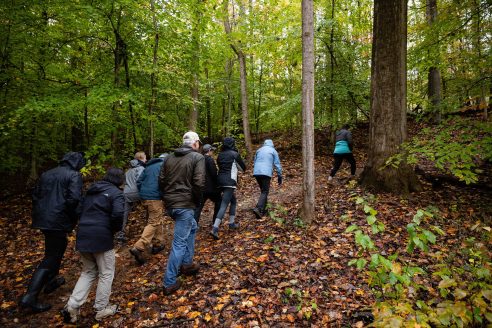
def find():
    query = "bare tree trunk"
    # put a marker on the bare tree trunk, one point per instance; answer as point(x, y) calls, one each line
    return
point(208, 106)
point(434, 78)
point(388, 121)
point(153, 80)
point(308, 190)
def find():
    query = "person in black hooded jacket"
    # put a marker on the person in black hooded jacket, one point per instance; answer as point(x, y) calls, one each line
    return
point(230, 163)
point(55, 199)
point(102, 216)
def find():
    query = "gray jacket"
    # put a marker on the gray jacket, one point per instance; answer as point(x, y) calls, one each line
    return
point(131, 176)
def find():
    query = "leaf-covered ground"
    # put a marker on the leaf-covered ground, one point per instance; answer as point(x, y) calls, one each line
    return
point(273, 272)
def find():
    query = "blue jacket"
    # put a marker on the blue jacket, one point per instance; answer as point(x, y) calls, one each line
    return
point(148, 181)
point(265, 159)
point(343, 142)
point(102, 216)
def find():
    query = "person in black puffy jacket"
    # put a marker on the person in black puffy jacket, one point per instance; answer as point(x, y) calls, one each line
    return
point(102, 216)
point(212, 190)
point(55, 199)
point(230, 163)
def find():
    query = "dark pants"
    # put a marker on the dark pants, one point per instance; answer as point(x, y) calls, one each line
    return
point(214, 197)
point(55, 244)
point(338, 162)
point(228, 196)
point(264, 183)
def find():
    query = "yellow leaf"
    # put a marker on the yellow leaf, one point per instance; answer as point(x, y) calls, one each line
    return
point(169, 315)
point(219, 307)
point(194, 314)
point(18, 279)
point(130, 304)
point(262, 258)
point(95, 326)
point(359, 292)
point(208, 317)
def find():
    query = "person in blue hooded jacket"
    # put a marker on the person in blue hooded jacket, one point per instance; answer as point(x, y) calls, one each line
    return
point(343, 150)
point(266, 158)
point(148, 187)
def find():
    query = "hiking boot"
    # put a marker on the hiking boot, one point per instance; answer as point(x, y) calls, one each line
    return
point(69, 314)
point(156, 249)
point(190, 269)
point(30, 299)
point(173, 288)
point(108, 311)
point(121, 238)
point(138, 255)
point(215, 233)
point(257, 213)
point(53, 284)
point(233, 226)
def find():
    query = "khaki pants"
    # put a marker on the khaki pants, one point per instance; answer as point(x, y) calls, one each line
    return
point(98, 266)
point(155, 225)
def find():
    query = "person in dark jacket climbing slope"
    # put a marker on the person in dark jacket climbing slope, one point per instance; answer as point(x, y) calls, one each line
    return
point(54, 211)
point(230, 163)
point(102, 217)
point(343, 150)
point(211, 191)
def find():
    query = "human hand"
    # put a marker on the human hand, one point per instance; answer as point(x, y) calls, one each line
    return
point(279, 180)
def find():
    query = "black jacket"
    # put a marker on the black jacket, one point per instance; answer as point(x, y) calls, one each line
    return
point(182, 178)
point(102, 216)
point(229, 162)
point(57, 195)
point(211, 183)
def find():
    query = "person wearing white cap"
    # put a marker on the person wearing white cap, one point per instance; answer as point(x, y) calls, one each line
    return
point(181, 181)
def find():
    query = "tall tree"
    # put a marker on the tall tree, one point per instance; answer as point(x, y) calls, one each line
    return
point(388, 121)
point(434, 78)
point(308, 190)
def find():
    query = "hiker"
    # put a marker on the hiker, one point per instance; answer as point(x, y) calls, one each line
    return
point(343, 150)
point(130, 191)
point(229, 162)
point(266, 158)
point(182, 179)
point(150, 194)
point(102, 216)
point(54, 211)
point(211, 190)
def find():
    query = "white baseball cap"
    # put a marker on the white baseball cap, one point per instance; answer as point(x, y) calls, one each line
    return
point(191, 136)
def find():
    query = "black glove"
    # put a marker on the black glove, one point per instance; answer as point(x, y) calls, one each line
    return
point(279, 180)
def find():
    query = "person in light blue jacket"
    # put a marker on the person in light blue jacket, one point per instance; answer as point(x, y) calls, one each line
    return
point(266, 158)
point(343, 150)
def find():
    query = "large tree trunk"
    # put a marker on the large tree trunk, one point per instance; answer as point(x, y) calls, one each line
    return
point(434, 78)
point(195, 66)
point(308, 190)
point(388, 121)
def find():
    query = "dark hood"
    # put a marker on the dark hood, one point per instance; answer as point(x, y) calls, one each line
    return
point(229, 143)
point(99, 187)
point(75, 159)
point(183, 150)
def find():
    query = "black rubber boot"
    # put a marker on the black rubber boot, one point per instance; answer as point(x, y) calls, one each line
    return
point(53, 284)
point(30, 299)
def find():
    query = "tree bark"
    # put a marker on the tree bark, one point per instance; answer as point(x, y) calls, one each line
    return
point(388, 121)
point(434, 77)
point(195, 66)
point(153, 80)
point(308, 190)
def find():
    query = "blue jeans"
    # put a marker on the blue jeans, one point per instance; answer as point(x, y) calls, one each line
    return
point(183, 247)
point(228, 196)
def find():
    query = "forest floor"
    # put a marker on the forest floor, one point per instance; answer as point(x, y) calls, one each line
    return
point(273, 272)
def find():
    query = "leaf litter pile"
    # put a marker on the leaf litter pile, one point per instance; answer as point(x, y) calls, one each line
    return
point(273, 272)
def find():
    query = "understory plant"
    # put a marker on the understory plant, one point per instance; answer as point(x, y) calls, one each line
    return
point(445, 294)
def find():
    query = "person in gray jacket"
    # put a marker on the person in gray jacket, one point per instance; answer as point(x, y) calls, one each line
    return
point(130, 191)
point(266, 158)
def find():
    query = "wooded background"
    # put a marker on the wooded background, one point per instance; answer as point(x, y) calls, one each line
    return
point(115, 76)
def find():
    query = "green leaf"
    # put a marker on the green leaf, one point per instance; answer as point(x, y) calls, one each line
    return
point(430, 236)
point(371, 219)
point(361, 263)
point(447, 282)
point(351, 228)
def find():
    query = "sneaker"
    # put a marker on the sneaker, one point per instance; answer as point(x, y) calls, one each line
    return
point(69, 314)
point(257, 213)
point(233, 226)
point(215, 233)
point(173, 288)
point(108, 311)
point(156, 249)
point(190, 269)
point(137, 254)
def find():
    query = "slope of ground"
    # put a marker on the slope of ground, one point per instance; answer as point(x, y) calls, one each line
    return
point(273, 272)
